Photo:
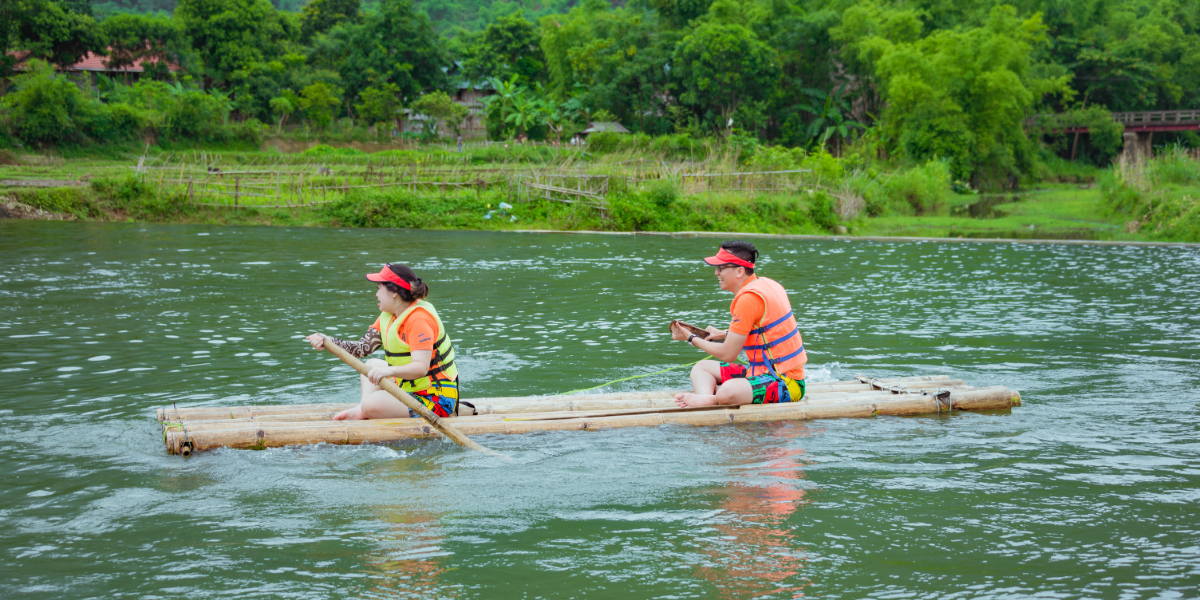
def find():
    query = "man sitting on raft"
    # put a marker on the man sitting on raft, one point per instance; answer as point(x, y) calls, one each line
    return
point(762, 316)
point(418, 350)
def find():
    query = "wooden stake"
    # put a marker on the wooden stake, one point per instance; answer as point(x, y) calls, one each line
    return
point(406, 400)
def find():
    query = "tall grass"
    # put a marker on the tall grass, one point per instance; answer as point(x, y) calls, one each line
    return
point(1161, 196)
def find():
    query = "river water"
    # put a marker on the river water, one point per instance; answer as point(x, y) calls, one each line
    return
point(1090, 490)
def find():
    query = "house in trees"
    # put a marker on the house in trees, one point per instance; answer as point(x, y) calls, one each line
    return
point(466, 93)
point(606, 126)
point(81, 73)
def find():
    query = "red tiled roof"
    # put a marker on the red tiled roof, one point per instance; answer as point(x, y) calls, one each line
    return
point(92, 62)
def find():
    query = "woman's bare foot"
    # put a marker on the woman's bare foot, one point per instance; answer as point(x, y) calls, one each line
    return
point(353, 414)
point(689, 400)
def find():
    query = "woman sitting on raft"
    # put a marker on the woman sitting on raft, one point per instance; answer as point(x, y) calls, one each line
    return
point(419, 354)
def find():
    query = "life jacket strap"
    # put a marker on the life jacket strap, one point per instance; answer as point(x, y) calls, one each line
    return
point(766, 328)
point(794, 333)
point(772, 363)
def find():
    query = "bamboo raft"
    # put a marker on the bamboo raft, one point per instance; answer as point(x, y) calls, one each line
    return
point(188, 430)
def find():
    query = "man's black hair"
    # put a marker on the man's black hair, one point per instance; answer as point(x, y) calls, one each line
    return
point(743, 250)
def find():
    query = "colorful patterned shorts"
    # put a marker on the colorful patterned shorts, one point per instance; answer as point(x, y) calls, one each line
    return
point(441, 399)
point(766, 388)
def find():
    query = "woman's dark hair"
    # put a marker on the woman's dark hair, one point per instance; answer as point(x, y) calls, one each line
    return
point(743, 250)
point(420, 291)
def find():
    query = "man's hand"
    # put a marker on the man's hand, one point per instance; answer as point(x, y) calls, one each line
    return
point(378, 373)
point(317, 340)
point(715, 334)
point(679, 333)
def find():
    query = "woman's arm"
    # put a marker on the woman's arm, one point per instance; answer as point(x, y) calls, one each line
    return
point(413, 370)
point(360, 349)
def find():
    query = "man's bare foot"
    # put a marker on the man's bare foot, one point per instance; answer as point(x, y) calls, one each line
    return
point(353, 414)
point(689, 400)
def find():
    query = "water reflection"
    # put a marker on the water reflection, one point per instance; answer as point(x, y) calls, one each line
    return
point(757, 553)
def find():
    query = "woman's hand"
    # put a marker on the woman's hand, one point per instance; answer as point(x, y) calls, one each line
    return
point(317, 340)
point(377, 374)
point(715, 334)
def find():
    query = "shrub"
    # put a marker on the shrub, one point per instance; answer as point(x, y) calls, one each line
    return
point(821, 211)
point(322, 150)
point(921, 189)
point(192, 114)
point(825, 168)
point(776, 158)
point(604, 141)
point(45, 107)
point(662, 193)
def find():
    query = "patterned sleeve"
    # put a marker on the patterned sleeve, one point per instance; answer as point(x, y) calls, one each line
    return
point(364, 347)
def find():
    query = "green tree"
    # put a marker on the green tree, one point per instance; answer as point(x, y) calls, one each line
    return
point(319, 16)
point(283, 106)
point(318, 101)
point(440, 107)
point(396, 45)
point(49, 31)
point(230, 35)
point(379, 103)
point(723, 66)
point(508, 47)
point(152, 39)
point(964, 94)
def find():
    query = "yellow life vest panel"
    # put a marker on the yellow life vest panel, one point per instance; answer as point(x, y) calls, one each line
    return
point(398, 353)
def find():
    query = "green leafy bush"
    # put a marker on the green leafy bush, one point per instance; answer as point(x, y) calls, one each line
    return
point(918, 190)
point(662, 193)
point(45, 108)
point(821, 211)
point(604, 141)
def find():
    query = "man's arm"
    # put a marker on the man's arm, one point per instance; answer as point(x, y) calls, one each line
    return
point(726, 351)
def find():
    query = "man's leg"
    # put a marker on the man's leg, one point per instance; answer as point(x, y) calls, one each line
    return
point(706, 376)
point(710, 386)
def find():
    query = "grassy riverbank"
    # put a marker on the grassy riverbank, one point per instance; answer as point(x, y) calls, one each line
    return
point(899, 203)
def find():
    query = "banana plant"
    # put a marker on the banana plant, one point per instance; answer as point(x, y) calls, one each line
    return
point(830, 121)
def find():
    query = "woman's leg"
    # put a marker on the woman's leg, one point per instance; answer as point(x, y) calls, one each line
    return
point(382, 405)
point(367, 389)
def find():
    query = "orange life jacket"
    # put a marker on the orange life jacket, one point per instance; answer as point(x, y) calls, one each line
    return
point(775, 346)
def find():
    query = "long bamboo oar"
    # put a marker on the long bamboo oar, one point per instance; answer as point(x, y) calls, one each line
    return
point(414, 405)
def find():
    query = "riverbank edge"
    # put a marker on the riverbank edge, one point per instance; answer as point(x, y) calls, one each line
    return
point(856, 238)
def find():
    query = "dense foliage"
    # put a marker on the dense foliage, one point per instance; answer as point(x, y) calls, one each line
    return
point(912, 81)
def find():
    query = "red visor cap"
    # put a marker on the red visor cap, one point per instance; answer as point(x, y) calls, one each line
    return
point(386, 274)
point(725, 257)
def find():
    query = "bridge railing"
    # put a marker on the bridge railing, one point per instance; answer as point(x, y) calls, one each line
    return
point(1129, 119)
point(1158, 117)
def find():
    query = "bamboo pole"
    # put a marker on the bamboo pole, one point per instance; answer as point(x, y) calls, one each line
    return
point(533, 412)
point(412, 404)
point(542, 403)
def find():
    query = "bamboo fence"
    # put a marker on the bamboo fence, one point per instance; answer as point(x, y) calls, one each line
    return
point(194, 429)
point(289, 181)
